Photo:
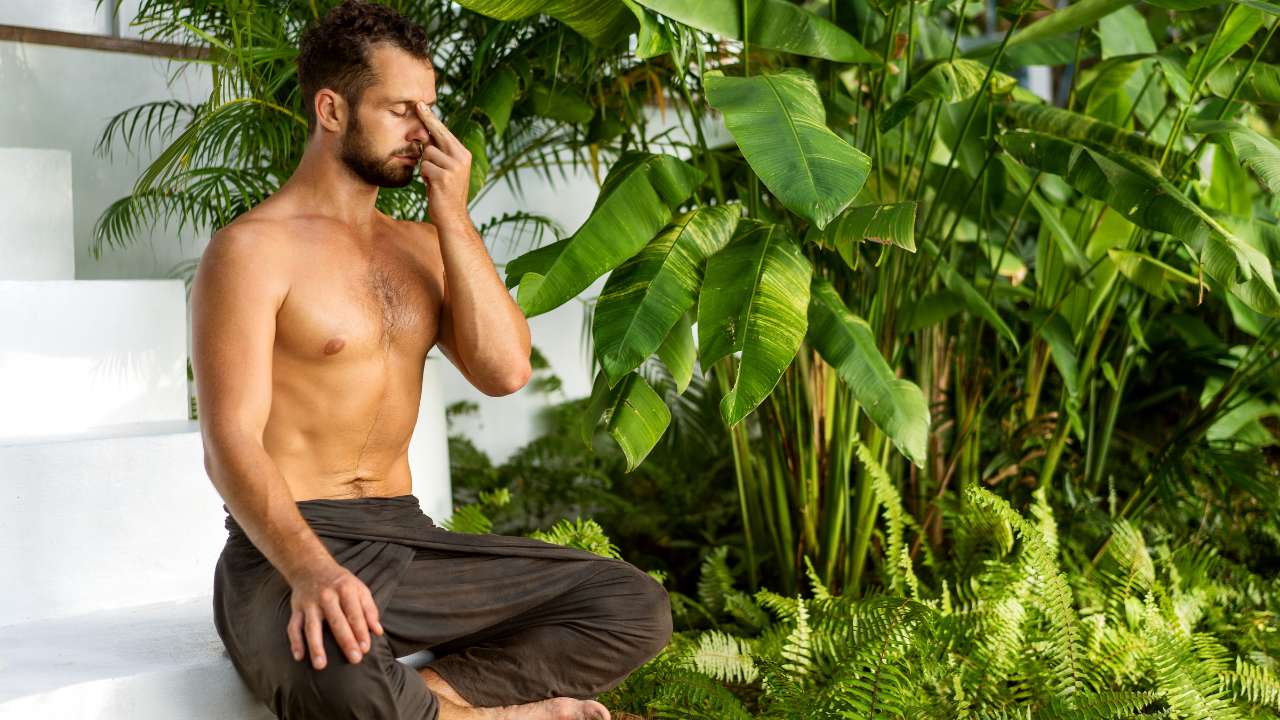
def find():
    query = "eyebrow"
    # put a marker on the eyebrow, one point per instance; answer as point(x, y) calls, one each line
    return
point(409, 101)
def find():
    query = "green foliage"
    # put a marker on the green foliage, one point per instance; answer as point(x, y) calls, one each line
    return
point(1014, 641)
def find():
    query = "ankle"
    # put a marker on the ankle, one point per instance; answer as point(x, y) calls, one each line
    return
point(441, 688)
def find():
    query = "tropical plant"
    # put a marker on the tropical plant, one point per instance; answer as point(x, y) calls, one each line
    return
point(897, 247)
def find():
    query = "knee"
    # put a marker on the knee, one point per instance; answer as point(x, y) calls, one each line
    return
point(340, 689)
point(651, 615)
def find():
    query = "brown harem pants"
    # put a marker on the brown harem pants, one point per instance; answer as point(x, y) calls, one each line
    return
point(509, 619)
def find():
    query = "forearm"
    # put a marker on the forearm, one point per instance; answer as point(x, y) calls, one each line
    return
point(490, 330)
point(259, 499)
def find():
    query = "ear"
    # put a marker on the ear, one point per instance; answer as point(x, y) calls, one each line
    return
point(331, 110)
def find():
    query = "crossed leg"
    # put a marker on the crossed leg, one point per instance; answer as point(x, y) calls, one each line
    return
point(541, 639)
point(513, 637)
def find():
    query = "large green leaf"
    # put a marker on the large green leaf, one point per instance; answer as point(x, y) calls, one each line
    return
point(537, 260)
point(780, 124)
point(774, 24)
point(1125, 32)
point(1074, 126)
point(636, 418)
point(887, 223)
point(1261, 86)
point(1137, 192)
point(846, 342)
point(754, 299)
point(1149, 273)
point(634, 415)
point(679, 352)
point(646, 295)
point(1259, 152)
point(560, 103)
point(949, 82)
point(635, 201)
point(653, 39)
point(1069, 19)
point(471, 134)
point(496, 98)
point(1057, 333)
point(1239, 27)
point(603, 22)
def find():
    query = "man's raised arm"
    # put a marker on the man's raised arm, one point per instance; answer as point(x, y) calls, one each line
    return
point(239, 286)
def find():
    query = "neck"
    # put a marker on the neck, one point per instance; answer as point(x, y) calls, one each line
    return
point(324, 185)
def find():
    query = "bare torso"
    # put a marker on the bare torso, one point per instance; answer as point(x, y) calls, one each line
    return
point(351, 340)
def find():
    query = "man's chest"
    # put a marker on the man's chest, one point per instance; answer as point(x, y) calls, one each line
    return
point(348, 305)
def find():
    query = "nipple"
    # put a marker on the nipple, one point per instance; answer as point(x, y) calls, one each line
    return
point(334, 345)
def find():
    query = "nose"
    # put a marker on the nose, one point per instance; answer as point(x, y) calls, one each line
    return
point(419, 134)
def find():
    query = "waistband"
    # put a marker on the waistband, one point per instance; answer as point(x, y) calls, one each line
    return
point(351, 514)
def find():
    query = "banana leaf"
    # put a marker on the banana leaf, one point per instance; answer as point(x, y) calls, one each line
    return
point(1137, 191)
point(779, 122)
point(754, 300)
point(887, 223)
point(646, 295)
point(633, 413)
point(774, 24)
point(636, 200)
point(603, 22)
point(679, 352)
point(949, 82)
point(846, 342)
point(1257, 151)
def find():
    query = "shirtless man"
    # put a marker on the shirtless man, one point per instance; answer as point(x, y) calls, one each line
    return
point(313, 314)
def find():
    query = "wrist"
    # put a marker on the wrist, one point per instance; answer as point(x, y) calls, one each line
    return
point(452, 223)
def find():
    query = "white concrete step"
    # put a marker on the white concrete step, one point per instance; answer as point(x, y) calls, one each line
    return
point(106, 519)
point(161, 661)
point(37, 232)
point(126, 515)
point(80, 354)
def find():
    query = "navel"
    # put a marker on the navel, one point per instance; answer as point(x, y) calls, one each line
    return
point(334, 345)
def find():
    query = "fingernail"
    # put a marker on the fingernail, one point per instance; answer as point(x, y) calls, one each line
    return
point(422, 105)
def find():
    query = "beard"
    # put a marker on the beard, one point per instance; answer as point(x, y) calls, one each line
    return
point(369, 165)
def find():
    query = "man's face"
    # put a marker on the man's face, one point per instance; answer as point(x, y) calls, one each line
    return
point(384, 128)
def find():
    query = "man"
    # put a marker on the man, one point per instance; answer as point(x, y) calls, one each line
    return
point(312, 317)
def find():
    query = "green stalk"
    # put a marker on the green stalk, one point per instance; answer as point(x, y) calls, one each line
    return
point(738, 439)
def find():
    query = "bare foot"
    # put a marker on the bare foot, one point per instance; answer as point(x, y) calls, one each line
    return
point(454, 707)
point(557, 708)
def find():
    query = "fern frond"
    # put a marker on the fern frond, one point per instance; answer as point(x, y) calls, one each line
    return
point(579, 533)
point(797, 651)
point(1253, 683)
point(723, 657)
point(886, 493)
point(1054, 596)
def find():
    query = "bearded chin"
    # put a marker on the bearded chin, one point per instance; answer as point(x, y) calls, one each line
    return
point(370, 167)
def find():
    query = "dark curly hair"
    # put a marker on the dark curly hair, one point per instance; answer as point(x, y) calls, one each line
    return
point(334, 52)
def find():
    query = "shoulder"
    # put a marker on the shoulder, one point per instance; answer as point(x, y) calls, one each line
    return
point(249, 255)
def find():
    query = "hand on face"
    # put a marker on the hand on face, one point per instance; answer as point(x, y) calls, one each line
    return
point(446, 169)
